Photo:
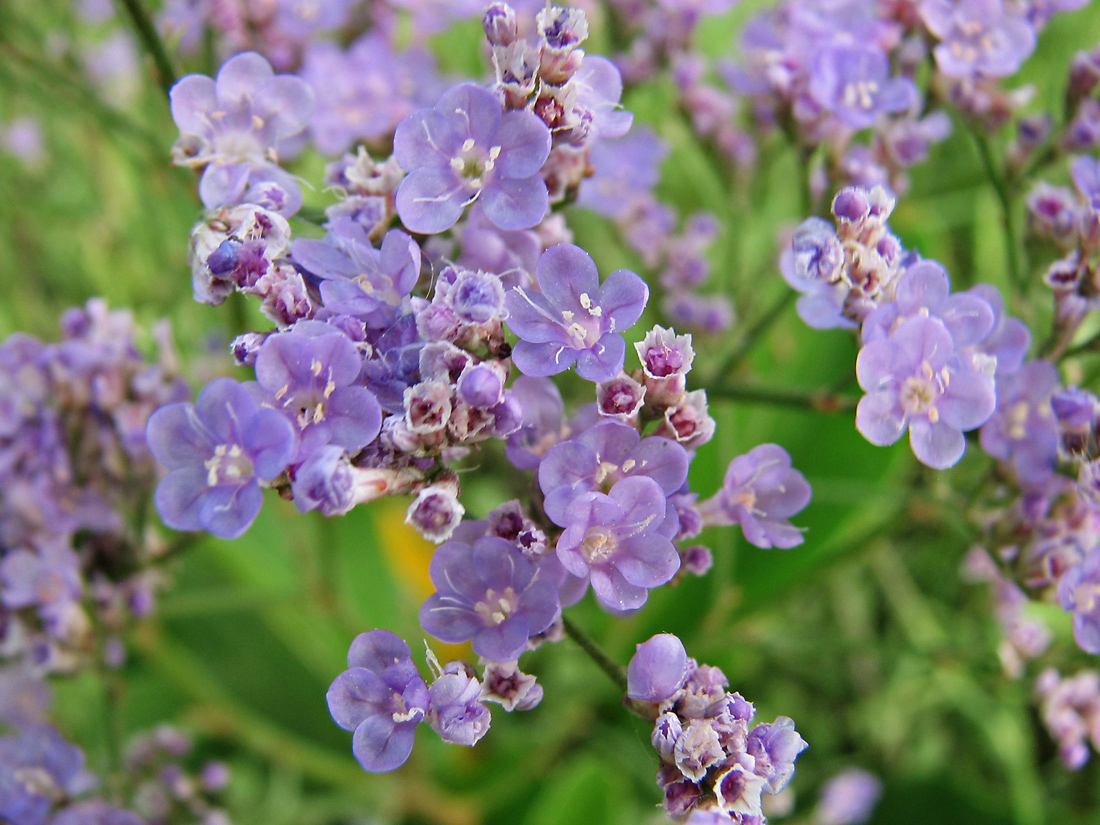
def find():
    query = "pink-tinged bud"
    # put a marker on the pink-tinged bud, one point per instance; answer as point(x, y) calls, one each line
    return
point(500, 25)
point(436, 511)
point(620, 398)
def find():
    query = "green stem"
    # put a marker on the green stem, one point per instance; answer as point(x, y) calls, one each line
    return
point(150, 39)
point(1013, 250)
point(112, 723)
point(51, 81)
point(1089, 345)
point(817, 400)
point(752, 335)
point(615, 672)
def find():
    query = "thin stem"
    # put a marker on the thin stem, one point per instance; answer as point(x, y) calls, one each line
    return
point(615, 672)
point(1089, 345)
point(817, 400)
point(48, 78)
point(150, 39)
point(112, 724)
point(752, 335)
point(1001, 186)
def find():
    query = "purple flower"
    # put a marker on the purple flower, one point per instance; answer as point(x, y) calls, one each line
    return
point(814, 266)
point(38, 766)
point(488, 593)
point(458, 714)
point(1079, 593)
point(603, 455)
point(925, 289)
point(48, 579)
point(1008, 341)
point(324, 481)
point(979, 37)
point(597, 112)
point(615, 540)
point(218, 450)
point(543, 411)
point(358, 279)
point(848, 798)
point(1023, 429)
point(575, 318)
point(363, 93)
point(854, 83)
point(775, 747)
point(657, 670)
point(626, 169)
point(915, 381)
point(235, 125)
point(95, 812)
point(464, 149)
point(382, 698)
point(760, 492)
point(310, 373)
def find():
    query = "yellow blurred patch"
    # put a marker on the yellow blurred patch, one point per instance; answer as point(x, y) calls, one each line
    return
point(408, 555)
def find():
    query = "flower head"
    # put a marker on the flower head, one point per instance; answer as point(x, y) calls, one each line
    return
point(218, 450)
point(574, 319)
point(382, 698)
point(466, 149)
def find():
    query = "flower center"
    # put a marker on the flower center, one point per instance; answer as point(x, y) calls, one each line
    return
point(310, 402)
point(860, 93)
point(473, 163)
point(597, 546)
point(228, 465)
point(496, 607)
point(919, 392)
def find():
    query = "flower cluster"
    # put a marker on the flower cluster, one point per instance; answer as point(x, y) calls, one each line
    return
point(933, 363)
point(1070, 709)
point(44, 779)
point(237, 127)
point(576, 95)
point(393, 357)
point(1073, 225)
point(75, 467)
point(621, 189)
point(714, 766)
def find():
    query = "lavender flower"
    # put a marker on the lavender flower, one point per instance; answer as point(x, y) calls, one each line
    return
point(979, 37)
point(854, 83)
point(575, 318)
point(487, 592)
point(464, 149)
point(234, 126)
point(363, 93)
point(602, 456)
point(218, 450)
point(507, 685)
point(457, 713)
point(848, 798)
point(48, 579)
point(1079, 593)
point(775, 746)
point(1023, 429)
point(760, 492)
point(925, 289)
point(382, 698)
point(38, 767)
point(358, 279)
point(915, 381)
point(310, 373)
point(615, 540)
